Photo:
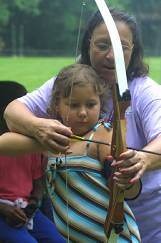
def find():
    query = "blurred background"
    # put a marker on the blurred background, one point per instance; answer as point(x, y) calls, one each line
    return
point(38, 37)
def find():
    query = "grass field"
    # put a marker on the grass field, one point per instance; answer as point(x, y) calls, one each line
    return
point(34, 71)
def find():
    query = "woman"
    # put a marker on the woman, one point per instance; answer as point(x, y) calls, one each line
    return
point(143, 117)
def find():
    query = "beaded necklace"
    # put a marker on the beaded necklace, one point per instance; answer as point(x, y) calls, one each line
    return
point(108, 121)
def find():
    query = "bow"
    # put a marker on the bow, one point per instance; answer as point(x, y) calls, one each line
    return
point(114, 219)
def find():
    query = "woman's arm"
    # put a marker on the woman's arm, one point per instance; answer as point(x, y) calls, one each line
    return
point(146, 133)
point(23, 116)
point(153, 161)
point(19, 118)
point(50, 133)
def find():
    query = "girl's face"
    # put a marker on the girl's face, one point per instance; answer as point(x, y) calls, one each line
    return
point(80, 111)
point(101, 53)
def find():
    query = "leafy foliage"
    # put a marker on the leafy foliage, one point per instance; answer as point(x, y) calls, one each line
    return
point(53, 25)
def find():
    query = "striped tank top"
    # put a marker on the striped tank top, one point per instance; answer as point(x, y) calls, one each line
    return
point(80, 197)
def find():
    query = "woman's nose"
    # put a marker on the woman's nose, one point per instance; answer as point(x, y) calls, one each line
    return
point(110, 53)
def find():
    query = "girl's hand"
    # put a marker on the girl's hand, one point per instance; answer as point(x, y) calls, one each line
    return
point(14, 216)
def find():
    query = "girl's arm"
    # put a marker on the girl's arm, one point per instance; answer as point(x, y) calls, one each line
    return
point(13, 144)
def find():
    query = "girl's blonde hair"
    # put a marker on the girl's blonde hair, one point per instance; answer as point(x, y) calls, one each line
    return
point(71, 76)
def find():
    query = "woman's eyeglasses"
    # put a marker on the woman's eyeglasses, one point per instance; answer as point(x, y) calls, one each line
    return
point(105, 47)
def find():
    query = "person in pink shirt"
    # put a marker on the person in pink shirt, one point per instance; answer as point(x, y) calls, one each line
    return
point(143, 116)
point(22, 188)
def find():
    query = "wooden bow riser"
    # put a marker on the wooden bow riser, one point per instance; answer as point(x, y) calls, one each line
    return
point(116, 213)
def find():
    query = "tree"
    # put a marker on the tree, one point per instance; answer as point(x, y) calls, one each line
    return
point(12, 15)
point(52, 25)
point(148, 15)
point(9, 7)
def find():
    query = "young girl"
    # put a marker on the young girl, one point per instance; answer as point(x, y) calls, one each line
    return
point(77, 181)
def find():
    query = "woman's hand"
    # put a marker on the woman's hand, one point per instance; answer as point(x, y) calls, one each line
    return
point(130, 167)
point(52, 134)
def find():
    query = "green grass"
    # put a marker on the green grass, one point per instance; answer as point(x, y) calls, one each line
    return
point(34, 71)
point(155, 68)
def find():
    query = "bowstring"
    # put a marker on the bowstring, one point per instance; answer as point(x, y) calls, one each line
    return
point(83, 4)
point(76, 50)
point(67, 198)
point(79, 29)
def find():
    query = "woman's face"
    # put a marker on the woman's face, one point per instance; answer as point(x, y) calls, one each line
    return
point(101, 53)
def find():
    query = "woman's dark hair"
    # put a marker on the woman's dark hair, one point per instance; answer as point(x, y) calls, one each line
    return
point(71, 76)
point(9, 90)
point(136, 66)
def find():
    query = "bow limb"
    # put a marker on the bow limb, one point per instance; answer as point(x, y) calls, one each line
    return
point(115, 216)
point(121, 77)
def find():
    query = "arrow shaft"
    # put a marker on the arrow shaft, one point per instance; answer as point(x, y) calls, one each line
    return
point(108, 144)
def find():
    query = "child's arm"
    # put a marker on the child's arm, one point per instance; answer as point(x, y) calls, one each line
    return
point(12, 144)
